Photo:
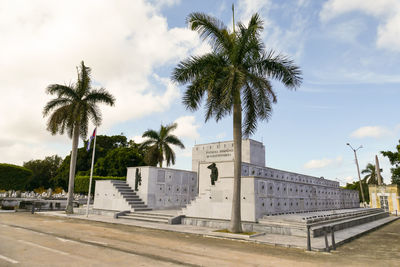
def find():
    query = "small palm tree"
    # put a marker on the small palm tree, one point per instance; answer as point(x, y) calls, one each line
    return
point(71, 111)
point(158, 144)
point(371, 176)
point(235, 79)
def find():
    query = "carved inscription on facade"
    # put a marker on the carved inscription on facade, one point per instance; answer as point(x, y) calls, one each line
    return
point(219, 154)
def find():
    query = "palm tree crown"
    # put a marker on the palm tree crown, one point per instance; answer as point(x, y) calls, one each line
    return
point(75, 105)
point(236, 71)
point(234, 76)
point(158, 144)
point(371, 176)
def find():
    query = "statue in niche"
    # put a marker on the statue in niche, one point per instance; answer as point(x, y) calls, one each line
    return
point(138, 179)
point(214, 173)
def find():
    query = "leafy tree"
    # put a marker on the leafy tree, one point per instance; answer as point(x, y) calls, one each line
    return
point(44, 171)
point(117, 160)
point(158, 144)
point(104, 145)
point(71, 111)
point(356, 186)
point(234, 79)
point(13, 177)
point(394, 158)
point(371, 176)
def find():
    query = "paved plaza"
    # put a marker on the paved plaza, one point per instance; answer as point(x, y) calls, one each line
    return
point(41, 240)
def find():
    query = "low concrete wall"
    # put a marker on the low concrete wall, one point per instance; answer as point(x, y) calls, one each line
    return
point(107, 197)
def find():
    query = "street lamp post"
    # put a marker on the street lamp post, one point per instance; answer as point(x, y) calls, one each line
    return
point(358, 171)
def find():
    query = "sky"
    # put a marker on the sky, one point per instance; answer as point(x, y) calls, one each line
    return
point(348, 51)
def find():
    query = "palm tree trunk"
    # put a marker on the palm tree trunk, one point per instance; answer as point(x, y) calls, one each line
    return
point(236, 226)
point(72, 166)
point(161, 157)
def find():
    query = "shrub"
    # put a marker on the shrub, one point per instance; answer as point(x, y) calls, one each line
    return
point(58, 190)
point(82, 182)
point(13, 177)
point(39, 190)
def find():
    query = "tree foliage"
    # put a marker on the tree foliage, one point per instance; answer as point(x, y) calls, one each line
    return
point(117, 160)
point(371, 177)
point(356, 186)
point(394, 158)
point(158, 145)
point(113, 154)
point(44, 171)
point(82, 182)
point(13, 177)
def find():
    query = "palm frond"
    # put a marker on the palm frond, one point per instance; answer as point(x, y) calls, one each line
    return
point(100, 96)
point(169, 155)
point(211, 29)
point(55, 103)
point(174, 140)
point(151, 134)
point(280, 68)
point(62, 91)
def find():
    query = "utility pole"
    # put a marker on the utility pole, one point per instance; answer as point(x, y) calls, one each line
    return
point(358, 171)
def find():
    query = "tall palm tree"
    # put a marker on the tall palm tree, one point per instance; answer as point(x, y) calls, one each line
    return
point(371, 176)
point(158, 144)
point(235, 79)
point(71, 111)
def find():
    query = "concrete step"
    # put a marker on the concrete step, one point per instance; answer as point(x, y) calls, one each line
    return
point(149, 216)
point(121, 186)
point(141, 209)
point(134, 205)
point(144, 219)
point(132, 199)
point(136, 202)
point(155, 213)
point(350, 222)
point(118, 182)
point(128, 195)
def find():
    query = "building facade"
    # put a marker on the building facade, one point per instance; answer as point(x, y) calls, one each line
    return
point(386, 197)
point(264, 190)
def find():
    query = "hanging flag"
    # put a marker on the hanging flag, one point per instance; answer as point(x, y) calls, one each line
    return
point(90, 139)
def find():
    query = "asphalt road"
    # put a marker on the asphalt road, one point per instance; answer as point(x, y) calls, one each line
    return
point(36, 240)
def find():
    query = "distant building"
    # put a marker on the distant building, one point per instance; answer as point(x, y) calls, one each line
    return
point(386, 197)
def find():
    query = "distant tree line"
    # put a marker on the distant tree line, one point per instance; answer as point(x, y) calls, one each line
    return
point(113, 155)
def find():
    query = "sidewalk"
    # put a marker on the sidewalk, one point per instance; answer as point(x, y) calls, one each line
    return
point(317, 244)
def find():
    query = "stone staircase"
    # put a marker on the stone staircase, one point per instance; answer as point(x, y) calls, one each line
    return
point(295, 224)
point(151, 216)
point(136, 203)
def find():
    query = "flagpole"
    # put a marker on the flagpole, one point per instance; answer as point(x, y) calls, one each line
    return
point(91, 174)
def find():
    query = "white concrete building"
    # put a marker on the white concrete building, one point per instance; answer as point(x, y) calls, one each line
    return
point(264, 191)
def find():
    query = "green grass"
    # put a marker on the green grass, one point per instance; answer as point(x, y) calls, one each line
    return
point(229, 232)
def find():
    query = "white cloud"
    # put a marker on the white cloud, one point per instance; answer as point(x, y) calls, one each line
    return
point(138, 139)
point(349, 179)
point(287, 40)
point(248, 7)
point(187, 127)
point(371, 131)
point(221, 136)
point(386, 11)
point(322, 163)
point(122, 41)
